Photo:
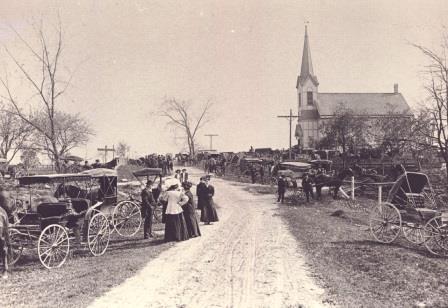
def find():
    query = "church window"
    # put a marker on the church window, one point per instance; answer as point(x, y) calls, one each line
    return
point(300, 99)
point(309, 97)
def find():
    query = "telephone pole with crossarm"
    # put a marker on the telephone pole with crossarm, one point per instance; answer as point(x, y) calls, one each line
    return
point(290, 117)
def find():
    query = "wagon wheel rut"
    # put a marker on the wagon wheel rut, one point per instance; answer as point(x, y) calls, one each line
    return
point(247, 259)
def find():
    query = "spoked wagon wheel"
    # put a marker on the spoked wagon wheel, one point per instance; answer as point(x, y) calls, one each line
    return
point(98, 234)
point(53, 246)
point(436, 236)
point(385, 222)
point(127, 218)
point(16, 247)
point(413, 233)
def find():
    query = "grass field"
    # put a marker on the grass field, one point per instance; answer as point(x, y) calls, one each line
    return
point(354, 269)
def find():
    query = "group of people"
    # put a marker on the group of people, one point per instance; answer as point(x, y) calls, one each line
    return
point(307, 186)
point(212, 164)
point(181, 175)
point(179, 210)
point(164, 162)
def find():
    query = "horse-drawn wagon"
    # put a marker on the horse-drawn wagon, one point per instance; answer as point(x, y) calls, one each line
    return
point(155, 175)
point(293, 173)
point(123, 216)
point(55, 223)
point(413, 210)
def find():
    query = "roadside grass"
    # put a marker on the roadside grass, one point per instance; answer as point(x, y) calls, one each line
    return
point(83, 277)
point(355, 270)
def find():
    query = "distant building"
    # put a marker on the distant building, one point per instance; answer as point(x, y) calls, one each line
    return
point(315, 107)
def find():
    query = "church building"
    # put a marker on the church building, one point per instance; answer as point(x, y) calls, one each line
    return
point(315, 107)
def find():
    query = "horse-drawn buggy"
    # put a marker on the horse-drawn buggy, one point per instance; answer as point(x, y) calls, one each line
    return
point(123, 216)
point(55, 223)
point(155, 176)
point(292, 172)
point(63, 209)
point(412, 209)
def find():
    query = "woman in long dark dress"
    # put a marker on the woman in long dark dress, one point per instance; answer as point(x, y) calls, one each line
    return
point(201, 193)
point(208, 211)
point(189, 212)
point(175, 225)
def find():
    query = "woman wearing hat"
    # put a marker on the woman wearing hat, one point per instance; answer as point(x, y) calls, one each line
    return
point(175, 226)
point(208, 211)
point(189, 212)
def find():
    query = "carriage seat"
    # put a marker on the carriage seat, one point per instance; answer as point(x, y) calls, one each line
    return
point(56, 209)
point(415, 200)
point(51, 213)
point(427, 214)
point(80, 205)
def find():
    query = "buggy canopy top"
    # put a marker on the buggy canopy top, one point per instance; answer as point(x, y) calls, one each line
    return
point(53, 178)
point(252, 160)
point(407, 183)
point(295, 166)
point(72, 158)
point(147, 172)
point(100, 172)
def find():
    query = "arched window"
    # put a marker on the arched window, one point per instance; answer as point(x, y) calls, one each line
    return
point(309, 97)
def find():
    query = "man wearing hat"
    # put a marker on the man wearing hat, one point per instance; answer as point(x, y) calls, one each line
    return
point(307, 186)
point(281, 188)
point(148, 203)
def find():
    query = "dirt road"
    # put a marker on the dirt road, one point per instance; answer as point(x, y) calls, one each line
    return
point(247, 259)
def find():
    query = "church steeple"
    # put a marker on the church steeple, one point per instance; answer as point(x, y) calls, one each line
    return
point(306, 70)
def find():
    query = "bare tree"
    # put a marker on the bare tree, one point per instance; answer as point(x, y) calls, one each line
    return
point(122, 149)
point(14, 135)
point(393, 131)
point(29, 159)
point(344, 130)
point(180, 115)
point(48, 86)
point(436, 73)
point(70, 131)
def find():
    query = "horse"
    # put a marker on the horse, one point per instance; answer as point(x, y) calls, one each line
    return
point(4, 241)
point(4, 228)
point(334, 182)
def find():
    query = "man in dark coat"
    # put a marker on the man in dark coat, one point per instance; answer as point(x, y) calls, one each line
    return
point(202, 193)
point(148, 203)
point(307, 186)
point(281, 188)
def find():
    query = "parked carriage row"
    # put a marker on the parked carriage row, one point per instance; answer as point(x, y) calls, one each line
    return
point(82, 209)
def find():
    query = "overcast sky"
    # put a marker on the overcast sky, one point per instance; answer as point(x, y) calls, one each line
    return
point(243, 55)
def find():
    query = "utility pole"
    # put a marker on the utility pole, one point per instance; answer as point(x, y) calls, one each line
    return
point(290, 117)
point(105, 150)
point(211, 140)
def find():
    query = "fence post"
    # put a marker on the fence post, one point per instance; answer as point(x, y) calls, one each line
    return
point(353, 188)
point(380, 193)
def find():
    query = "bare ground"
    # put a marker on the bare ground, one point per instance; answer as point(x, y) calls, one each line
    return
point(248, 259)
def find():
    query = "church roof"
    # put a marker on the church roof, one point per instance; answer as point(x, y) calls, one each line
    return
point(306, 70)
point(372, 104)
